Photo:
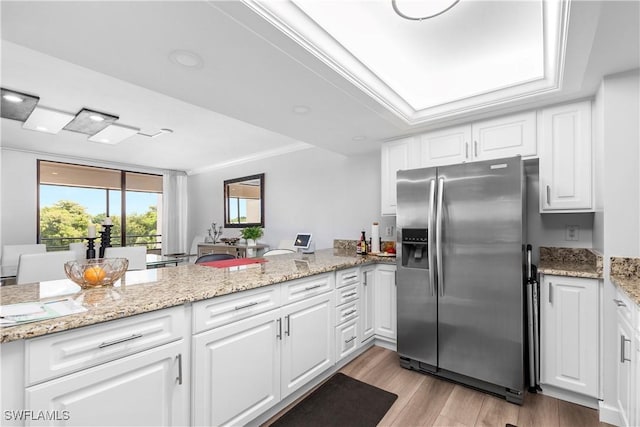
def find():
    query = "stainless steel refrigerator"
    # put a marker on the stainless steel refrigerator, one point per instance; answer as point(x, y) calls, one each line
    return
point(460, 257)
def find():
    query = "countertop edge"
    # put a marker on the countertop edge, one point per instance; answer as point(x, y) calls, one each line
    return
point(630, 286)
point(66, 323)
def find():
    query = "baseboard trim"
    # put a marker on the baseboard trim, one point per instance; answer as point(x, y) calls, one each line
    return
point(609, 414)
point(388, 344)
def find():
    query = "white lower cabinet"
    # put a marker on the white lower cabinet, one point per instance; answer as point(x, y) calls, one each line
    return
point(149, 388)
point(243, 368)
point(367, 307)
point(569, 334)
point(385, 302)
point(627, 360)
point(237, 370)
point(307, 341)
point(346, 339)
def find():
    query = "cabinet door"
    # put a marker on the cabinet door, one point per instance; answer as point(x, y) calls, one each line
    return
point(148, 388)
point(505, 137)
point(569, 334)
point(395, 155)
point(307, 341)
point(385, 302)
point(445, 147)
point(346, 339)
point(624, 371)
point(238, 370)
point(367, 307)
point(565, 158)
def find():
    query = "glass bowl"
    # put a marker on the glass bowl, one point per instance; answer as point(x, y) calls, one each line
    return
point(94, 273)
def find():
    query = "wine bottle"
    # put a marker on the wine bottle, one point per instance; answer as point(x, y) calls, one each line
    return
point(363, 244)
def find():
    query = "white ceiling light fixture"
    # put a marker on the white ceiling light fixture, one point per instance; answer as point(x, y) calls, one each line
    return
point(186, 58)
point(114, 134)
point(421, 10)
point(47, 120)
point(154, 135)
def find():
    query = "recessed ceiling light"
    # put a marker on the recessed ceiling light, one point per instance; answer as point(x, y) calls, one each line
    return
point(17, 105)
point(12, 98)
point(359, 138)
point(301, 109)
point(186, 58)
point(84, 122)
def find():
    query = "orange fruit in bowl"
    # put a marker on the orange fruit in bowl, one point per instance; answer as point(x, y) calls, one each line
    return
point(94, 275)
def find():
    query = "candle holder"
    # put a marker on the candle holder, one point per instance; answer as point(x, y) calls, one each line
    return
point(105, 238)
point(91, 250)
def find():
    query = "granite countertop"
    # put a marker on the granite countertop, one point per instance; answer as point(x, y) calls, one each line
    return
point(155, 289)
point(625, 274)
point(573, 262)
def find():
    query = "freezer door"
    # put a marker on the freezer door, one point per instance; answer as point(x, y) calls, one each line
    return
point(481, 280)
point(416, 288)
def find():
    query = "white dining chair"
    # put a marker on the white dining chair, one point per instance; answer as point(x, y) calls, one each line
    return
point(11, 253)
point(80, 248)
point(44, 266)
point(137, 256)
point(278, 252)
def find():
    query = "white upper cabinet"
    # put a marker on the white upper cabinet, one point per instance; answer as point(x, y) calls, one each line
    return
point(445, 147)
point(565, 158)
point(504, 137)
point(396, 155)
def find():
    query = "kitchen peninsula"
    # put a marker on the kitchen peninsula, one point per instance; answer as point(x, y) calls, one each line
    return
point(218, 344)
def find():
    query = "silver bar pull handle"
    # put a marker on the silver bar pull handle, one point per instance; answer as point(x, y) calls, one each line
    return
point(466, 150)
point(430, 237)
point(308, 288)
point(279, 334)
point(251, 304)
point(623, 349)
point(349, 295)
point(349, 313)
point(475, 148)
point(550, 293)
point(619, 303)
point(179, 377)
point(439, 220)
point(548, 195)
point(349, 340)
point(120, 340)
point(350, 277)
point(287, 329)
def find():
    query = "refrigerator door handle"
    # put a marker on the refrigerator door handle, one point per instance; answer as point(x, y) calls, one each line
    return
point(439, 218)
point(432, 273)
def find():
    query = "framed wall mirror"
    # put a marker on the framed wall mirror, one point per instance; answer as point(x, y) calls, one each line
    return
point(244, 201)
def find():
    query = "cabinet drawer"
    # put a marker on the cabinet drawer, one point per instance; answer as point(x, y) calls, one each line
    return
point(346, 312)
point(347, 277)
point(346, 339)
point(219, 311)
point(58, 354)
point(300, 289)
point(627, 309)
point(346, 294)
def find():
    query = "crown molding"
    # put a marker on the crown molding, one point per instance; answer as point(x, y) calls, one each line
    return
point(252, 158)
point(294, 23)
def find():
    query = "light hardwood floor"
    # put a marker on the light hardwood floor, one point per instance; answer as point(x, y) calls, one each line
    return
point(424, 400)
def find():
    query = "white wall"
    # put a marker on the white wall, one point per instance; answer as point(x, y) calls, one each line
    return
point(314, 190)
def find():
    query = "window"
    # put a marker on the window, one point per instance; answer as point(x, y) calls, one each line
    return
point(70, 197)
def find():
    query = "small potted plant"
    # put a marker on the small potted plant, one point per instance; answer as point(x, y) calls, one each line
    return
point(251, 234)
